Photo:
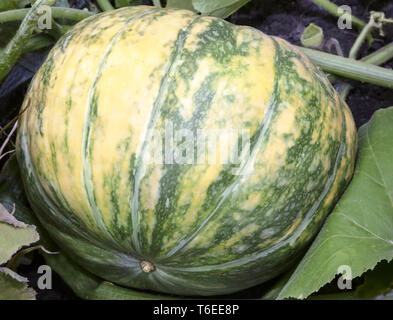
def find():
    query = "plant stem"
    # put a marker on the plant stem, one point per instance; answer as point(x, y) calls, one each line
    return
point(14, 48)
point(57, 13)
point(351, 69)
point(354, 51)
point(2, 147)
point(105, 5)
point(374, 22)
point(380, 56)
point(15, 119)
point(12, 264)
point(376, 58)
point(335, 10)
point(360, 39)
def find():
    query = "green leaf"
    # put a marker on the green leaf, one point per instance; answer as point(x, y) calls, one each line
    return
point(312, 36)
point(13, 235)
point(359, 231)
point(221, 8)
point(181, 4)
point(14, 287)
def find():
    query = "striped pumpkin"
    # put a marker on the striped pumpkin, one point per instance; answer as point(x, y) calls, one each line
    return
point(205, 228)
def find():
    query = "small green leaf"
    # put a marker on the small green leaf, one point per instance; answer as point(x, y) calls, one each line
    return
point(13, 235)
point(14, 287)
point(359, 231)
point(181, 4)
point(312, 36)
point(222, 8)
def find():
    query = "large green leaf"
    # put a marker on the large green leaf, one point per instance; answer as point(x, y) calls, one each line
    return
point(218, 8)
point(14, 287)
point(359, 231)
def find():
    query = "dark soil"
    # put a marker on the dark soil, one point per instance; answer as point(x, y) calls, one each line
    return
point(285, 19)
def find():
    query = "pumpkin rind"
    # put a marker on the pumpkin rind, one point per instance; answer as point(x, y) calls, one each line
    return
point(118, 77)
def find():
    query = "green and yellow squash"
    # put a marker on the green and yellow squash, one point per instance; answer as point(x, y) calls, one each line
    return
point(189, 228)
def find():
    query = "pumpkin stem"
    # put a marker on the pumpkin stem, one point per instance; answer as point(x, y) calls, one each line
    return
point(147, 266)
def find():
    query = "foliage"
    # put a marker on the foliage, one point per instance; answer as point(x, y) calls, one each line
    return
point(359, 231)
point(312, 36)
point(14, 287)
point(218, 8)
point(14, 235)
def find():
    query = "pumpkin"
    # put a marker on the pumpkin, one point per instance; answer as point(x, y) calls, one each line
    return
point(122, 84)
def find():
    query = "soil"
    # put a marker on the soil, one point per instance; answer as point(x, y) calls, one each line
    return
point(285, 19)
